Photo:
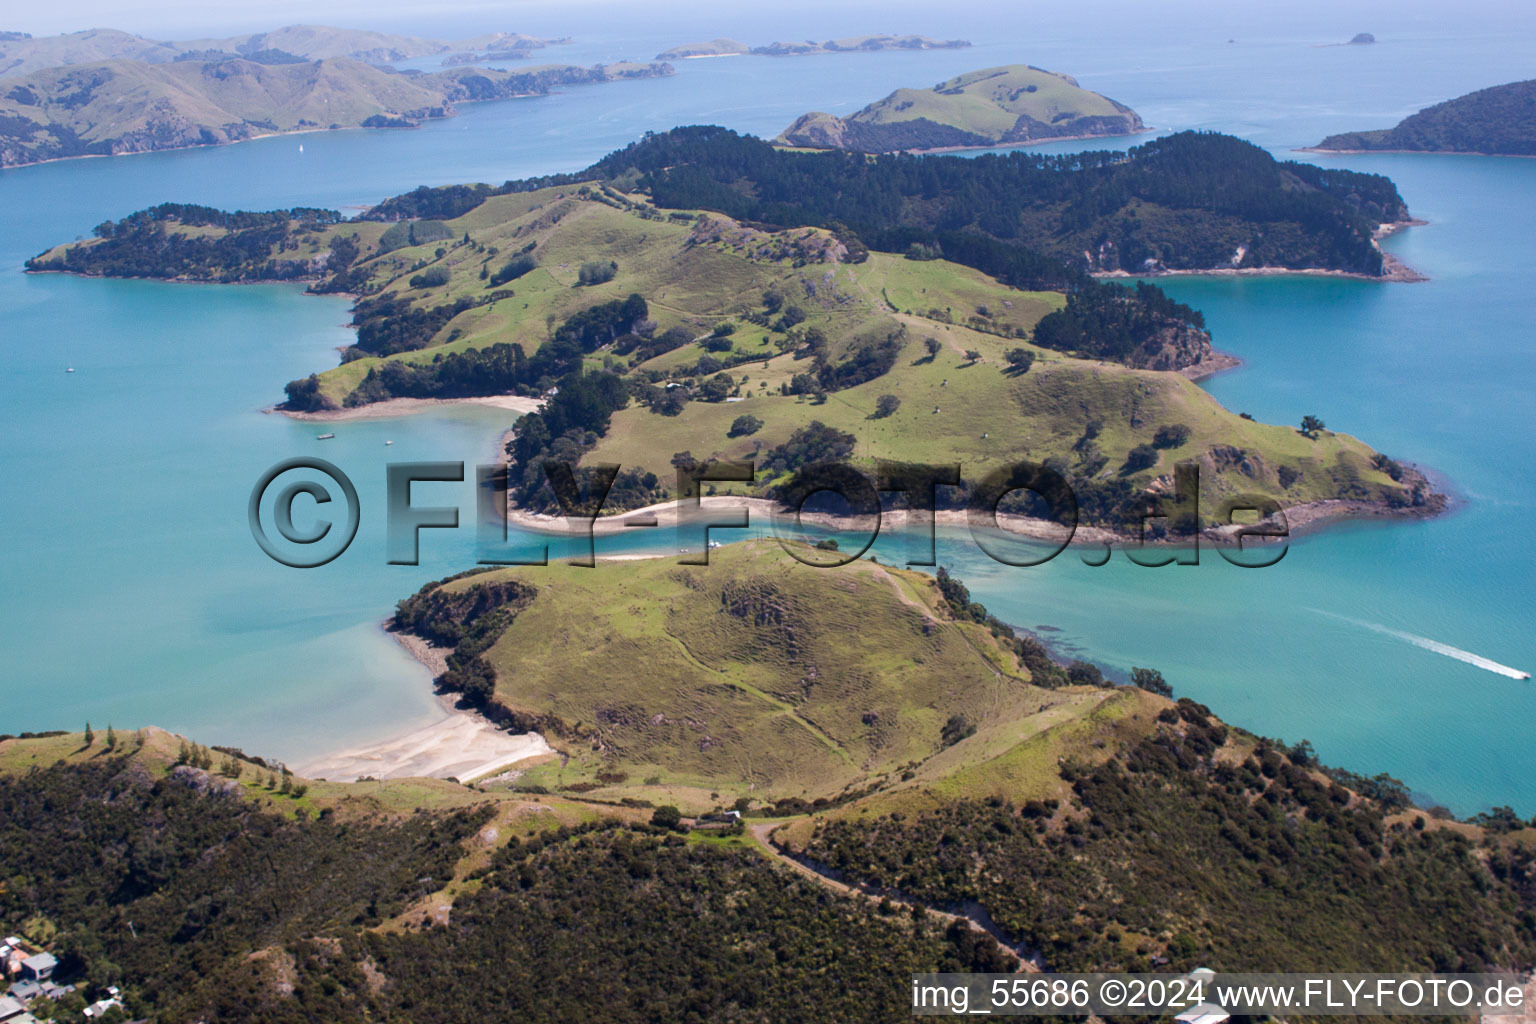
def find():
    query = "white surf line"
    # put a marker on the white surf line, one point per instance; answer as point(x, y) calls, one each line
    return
point(1487, 664)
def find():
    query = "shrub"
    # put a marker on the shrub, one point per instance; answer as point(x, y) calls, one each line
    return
point(513, 269)
point(1170, 436)
point(1143, 456)
point(1020, 360)
point(885, 405)
point(596, 272)
point(432, 277)
point(742, 426)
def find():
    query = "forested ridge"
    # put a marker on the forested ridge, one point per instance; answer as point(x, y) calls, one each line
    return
point(1175, 200)
point(241, 914)
point(1500, 120)
point(1167, 856)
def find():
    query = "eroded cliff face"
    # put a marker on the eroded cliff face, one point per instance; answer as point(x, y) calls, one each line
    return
point(1173, 348)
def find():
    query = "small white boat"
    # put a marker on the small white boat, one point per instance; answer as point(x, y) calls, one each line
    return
point(389, 442)
point(324, 437)
point(69, 369)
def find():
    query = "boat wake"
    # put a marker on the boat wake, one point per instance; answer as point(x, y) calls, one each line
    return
point(1424, 642)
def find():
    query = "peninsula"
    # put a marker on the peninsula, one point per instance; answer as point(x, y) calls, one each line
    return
point(131, 106)
point(701, 295)
point(1005, 106)
point(1499, 121)
point(856, 766)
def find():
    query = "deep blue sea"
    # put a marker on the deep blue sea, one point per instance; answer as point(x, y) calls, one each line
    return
point(133, 593)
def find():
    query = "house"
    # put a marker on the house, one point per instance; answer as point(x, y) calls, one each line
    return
point(100, 1006)
point(39, 967)
point(1205, 1013)
point(10, 1008)
point(25, 991)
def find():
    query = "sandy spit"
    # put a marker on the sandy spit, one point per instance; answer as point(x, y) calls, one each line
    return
point(460, 744)
point(409, 407)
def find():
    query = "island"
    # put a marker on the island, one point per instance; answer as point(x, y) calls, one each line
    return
point(1499, 121)
point(712, 48)
point(1361, 39)
point(702, 295)
point(849, 44)
point(798, 783)
point(1005, 106)
point(131, 106)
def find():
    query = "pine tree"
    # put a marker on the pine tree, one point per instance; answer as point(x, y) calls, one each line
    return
point(90, 735)
point(183, 755)
point(111, 737)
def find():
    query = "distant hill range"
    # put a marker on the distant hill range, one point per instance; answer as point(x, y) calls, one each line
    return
point(22, 54)
point(1011, 105)
point(130, 106)
point(1500, 121)
point(850, 44)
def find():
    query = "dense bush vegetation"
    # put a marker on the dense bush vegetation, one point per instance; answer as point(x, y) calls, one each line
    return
point(1196, 196)
point(1166, 851)
point(240, 914)
point(1496, 120)
point(205, 878)
point(145, 244)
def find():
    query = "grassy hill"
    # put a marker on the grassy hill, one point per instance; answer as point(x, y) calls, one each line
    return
point(130, 106)
point(1496, 121)
point(1000, 106)
point(719, 295)
point(754, 676)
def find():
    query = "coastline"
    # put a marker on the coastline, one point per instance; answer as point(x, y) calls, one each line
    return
point(460, 744)
point(394, 407)
point(450, 107)
point(1393, 270)
point(1415, 152)
point(1302, 518)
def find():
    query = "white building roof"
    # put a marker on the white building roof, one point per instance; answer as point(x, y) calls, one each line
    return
point(1205, 1013)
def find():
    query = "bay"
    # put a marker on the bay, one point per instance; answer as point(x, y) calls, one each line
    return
point(132, 590)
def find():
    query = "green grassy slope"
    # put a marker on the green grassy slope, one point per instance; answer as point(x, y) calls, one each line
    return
point(698, 272)
point(993, 106)
point(755, 675)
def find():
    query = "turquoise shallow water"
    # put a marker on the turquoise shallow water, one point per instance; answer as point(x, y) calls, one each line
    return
point(133, 592)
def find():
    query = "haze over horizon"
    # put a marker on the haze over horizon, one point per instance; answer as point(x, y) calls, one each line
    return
point(1314, 20)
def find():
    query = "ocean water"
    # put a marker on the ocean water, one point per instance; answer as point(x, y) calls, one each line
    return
point(132, 591)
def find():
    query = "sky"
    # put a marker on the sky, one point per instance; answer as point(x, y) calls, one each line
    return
point(171, 19)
